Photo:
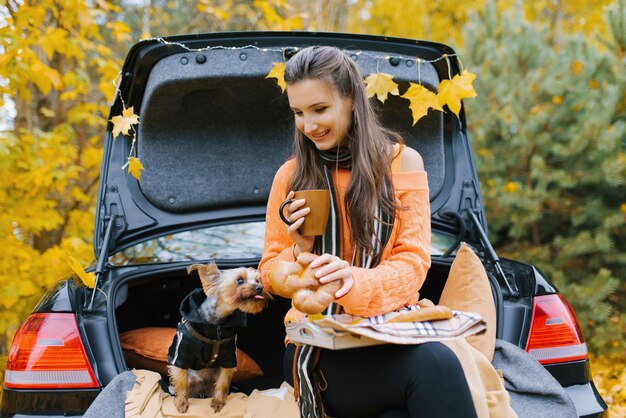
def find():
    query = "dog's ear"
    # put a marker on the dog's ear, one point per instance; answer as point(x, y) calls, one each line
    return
point(207, 272)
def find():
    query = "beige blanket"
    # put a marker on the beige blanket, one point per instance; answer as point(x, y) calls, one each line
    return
point(491, 399)
point(147, 400)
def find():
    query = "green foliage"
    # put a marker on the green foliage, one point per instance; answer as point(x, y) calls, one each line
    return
point(548, 128)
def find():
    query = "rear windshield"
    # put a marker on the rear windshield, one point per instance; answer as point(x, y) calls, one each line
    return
point(221, 242)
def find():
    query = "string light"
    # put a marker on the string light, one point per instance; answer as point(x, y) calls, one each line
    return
point(282, 51)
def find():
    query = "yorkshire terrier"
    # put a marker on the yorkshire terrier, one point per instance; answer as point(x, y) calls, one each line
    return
point(202, 357)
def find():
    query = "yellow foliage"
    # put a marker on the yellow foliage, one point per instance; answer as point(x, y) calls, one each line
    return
point(278, 72)
point(420, 100)
point(277, 15)
point(269, 12)
point(123, 124)
point(88, 279)
point(573, 16)
point(45, 77)
point(452, 91)
point(438, 20)
point(609, 377)
point(50, 158)
point(135, 167)
point(381, 85)
point(120, 30)
point(442, 20)
point(54, 40)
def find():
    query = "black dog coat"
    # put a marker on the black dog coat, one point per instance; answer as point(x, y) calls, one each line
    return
point(198, 344)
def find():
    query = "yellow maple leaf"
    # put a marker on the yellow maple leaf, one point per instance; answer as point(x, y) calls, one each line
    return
point(54, 40)
point(381, 85)
point(420, 100)
point(89, 279)
point(26, 288)
point(45, 77)
point(135, 167)
point(451, 92)
point(120, 30)
point(278, 72)
point(123, 123)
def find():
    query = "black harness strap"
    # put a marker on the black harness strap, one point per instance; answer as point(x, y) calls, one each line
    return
point(215, 344)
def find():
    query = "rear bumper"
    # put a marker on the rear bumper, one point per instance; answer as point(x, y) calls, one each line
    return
point(576, 378)
point(588, 402)
point(57, 403)
point(39, 416)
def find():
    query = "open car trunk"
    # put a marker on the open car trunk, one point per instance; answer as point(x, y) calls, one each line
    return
point(153, 301)
point(214, 130)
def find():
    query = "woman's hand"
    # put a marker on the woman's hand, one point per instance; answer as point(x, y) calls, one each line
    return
point(295, 212)
point(331, 267)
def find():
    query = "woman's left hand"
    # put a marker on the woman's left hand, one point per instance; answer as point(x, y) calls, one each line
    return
point(332, 268)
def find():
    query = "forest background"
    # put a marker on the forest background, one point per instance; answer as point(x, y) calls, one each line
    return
point(548, 131)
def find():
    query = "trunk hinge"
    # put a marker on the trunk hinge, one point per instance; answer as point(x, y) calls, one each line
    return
point(490, 253)
point(112, 219)
point(102, 257)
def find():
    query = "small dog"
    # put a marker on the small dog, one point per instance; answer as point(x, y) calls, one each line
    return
point(205, 340)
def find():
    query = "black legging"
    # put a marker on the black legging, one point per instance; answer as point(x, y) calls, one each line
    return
point(424, 380)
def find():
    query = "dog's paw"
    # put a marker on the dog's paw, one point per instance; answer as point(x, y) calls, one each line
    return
point(181, 403)
point(218, 403)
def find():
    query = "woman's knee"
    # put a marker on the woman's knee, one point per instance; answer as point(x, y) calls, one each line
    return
point(440, 374)
point(435, 358)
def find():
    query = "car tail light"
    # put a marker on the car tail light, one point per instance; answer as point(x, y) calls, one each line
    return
point(555, 334)
point(47, 353)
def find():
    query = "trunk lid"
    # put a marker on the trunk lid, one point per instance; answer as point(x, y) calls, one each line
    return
point(213, 130)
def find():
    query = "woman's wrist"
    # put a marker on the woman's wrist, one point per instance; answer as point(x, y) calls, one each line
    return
point(297, 250)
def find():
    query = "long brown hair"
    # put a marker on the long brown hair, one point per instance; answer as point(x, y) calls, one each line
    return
point(370, 144)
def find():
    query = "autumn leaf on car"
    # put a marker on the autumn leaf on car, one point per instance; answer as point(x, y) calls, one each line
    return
point(381, 85)
point(420, 100)
point(123, 124)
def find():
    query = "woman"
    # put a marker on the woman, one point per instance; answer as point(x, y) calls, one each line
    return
point(377, 244)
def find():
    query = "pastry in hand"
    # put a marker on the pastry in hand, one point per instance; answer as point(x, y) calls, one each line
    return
point(296, 280)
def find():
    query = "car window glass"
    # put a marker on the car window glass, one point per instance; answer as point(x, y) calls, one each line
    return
point(220, 242)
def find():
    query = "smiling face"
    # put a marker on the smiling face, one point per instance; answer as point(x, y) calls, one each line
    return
point(320, 112)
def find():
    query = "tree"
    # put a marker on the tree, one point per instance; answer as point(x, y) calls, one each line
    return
point(59, 64)
point(443, 20)
point(57, 70)
point(170, 17)
point(548, 127)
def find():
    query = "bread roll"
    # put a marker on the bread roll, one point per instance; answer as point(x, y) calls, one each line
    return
point(296, 280)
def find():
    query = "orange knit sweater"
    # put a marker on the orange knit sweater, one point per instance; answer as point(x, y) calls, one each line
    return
point(396, 281)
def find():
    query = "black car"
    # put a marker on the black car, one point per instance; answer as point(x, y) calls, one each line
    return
point(213, 131)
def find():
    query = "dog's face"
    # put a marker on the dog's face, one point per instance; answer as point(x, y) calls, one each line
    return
point(238, 288)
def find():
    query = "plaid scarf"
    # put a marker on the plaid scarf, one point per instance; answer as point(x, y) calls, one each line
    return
point(308, 381)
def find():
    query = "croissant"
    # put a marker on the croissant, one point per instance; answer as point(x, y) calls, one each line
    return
point(297, 281)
